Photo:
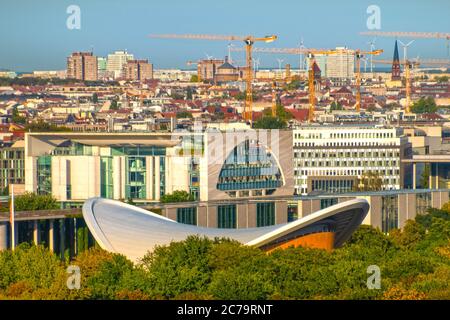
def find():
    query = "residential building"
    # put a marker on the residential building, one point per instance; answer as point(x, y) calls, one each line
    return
point(207, 69)
point(116, 62)
point(138, 70)
point(333, 159)
point(12, 169)
point(82, 66)
point(339, 66)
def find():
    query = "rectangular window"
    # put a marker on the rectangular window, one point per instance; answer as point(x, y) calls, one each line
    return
point(325, 203)
point(265, 214)
point(106, 178)
point(292, 213)
point(389, 213)
point(226, 216)
point(187, 215)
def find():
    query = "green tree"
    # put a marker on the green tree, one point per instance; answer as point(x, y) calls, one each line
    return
point(31, 201)
point(336, 106)
point(179, 267)
point(16, 118)
point(442, 79)
point(189, 93)
point(194, 78)
point(267, 121)
point(425, 177)
point(424, 105)
point(114, 105)
point(177, 196)
point(369, 181)
point(184, 114)
point(42, 126)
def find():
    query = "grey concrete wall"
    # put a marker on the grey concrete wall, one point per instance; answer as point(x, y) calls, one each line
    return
point(4, 235)
point(280, 212)
point(212, 217)
point(241, 212)
point(251, 215)
point(202, 215)
point(375, 211)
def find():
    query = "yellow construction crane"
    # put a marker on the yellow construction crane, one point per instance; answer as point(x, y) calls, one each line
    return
point(248, 40)
point(401, 34)
point(408, 65)
point(311, 52)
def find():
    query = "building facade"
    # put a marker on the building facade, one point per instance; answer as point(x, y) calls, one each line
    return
point(339, 66)
point(12, 169)
point(82, 66)
point(213, 165)
point(332, 159)
point(207, 69)
point(116, 61)
point(138, 70)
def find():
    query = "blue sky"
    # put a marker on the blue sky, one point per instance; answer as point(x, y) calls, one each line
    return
point(34, 35)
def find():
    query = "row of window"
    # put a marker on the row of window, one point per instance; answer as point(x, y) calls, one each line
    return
point(344, 135)
point(369, 154)
point(348, 163)
point(345, 172)
point(345, 144)
point(265, 212)
point(226, 215)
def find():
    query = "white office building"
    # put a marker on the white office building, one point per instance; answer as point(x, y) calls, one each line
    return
point(337, 66)
point(116, 61)
point(334, 159)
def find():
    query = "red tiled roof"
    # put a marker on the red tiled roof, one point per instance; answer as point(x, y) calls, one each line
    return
point(299, 114)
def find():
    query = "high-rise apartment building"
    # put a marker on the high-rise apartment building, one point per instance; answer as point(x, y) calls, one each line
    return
point(334, 159)
point(116, 62)
point(337, 66)
point(138, 70)
point(82, 66)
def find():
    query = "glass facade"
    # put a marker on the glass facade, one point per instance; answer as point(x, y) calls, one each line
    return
point(250, 166)
point(12, 167)
point(187, 215)
point(44, 175)
point(423, 202)
point(332, 186)
point(226, 216)
point(106, 178)
point(389, 213)
point(194, 178)
point(292, 212)
point(325, 203)
point(70, 148)
point(265, 214)
point(135, 187)
point(138, 151)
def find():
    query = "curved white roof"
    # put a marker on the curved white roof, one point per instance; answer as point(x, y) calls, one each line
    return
point(132, 231)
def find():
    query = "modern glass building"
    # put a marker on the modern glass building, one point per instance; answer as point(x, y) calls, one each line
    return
point(144, 167)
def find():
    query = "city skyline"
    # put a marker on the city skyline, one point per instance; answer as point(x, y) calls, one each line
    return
point(40, 39)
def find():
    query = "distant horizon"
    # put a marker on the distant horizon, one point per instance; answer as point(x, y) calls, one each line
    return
point(35, 36)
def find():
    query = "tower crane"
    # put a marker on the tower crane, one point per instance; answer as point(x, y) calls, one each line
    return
point(400, 34)
point(310, 53)
point(248, 40)
point(408, 65)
